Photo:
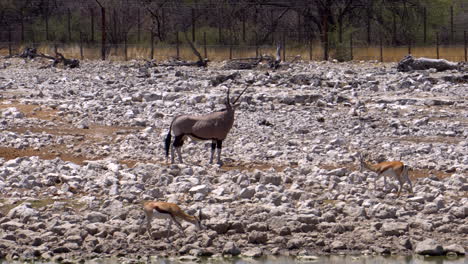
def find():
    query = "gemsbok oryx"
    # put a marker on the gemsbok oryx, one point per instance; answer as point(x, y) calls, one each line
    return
point(213, 126)
point(392, 168)
point(170, 211)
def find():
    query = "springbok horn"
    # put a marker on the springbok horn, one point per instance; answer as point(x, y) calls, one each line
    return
point(240, 94)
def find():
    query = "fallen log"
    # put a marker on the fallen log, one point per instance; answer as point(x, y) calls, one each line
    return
point(31, 53)
point(250, 63)
point(409, 63)
point(70, 63)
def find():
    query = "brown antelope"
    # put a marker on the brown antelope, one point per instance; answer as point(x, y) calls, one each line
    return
point(213, 126)
point(392, 168)
point(170, 211)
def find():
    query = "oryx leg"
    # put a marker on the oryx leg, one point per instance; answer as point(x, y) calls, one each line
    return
point(213, 146)
point(219, 146)
point(178, 142)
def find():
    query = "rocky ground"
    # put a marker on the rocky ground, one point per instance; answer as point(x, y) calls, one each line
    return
point(81, 149)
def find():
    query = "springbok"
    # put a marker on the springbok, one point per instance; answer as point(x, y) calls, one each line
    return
point(213, 126)
point(392, 168)
point(170, 211)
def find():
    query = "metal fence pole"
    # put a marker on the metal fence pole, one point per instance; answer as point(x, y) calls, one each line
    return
point(92, 24)
point(204, 45)
point(425, 24)
point(256, 45)
point(310, 49)
point(69, 25)
point(81, 45)
point(152, 45)
point(138, 25)
point(465, 41)
point(284, 46)
point(125, 48)
point(9, 41)
point(103, 38)
point(452, 32)
point(381, 48)
point(230, 48)
point(409, 45)
point(177, 45)
point(193, 25)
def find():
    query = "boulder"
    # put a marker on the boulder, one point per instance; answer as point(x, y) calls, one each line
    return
point(230, 248)
point(429, 247)
point(394, 228)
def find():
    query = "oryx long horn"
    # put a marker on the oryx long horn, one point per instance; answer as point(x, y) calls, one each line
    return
point(199, 214)
point(241, 94)
point(228, 96)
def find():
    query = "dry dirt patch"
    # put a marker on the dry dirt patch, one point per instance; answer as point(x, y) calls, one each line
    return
point(45, 153)
point(435, 139)
point(32, 110)
point(243, 166)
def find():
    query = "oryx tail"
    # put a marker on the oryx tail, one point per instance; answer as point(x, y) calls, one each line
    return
point(167, 141)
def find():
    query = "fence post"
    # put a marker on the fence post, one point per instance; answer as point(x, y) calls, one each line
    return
point(284, 46)
point(22, 28)
point(299, 32)
point(451, 24)
point(103, 39)
point(9, 41)
point(152, 44)
point(381, 48)
point(368, 26)
point(437, 44)
point(230, 48)
point(325, 37)
point(243, 28)
point(409, 45)
point(310, 48)
point(138, 25)
point(256, 45)
point(177, 45)
point(220, 15)
point(351, 46)
point(204, 45)
point(125, 47)
point(46, 17)
point(81, 45)
point(193, 25)
point(92, 24)
point(425, 24)
point(465, 41)
point(69, 25)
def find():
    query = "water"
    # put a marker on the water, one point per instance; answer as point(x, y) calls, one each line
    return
point(286, 260)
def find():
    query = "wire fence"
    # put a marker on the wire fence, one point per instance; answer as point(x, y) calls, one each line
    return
point(433, 33)
point(314, 50)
